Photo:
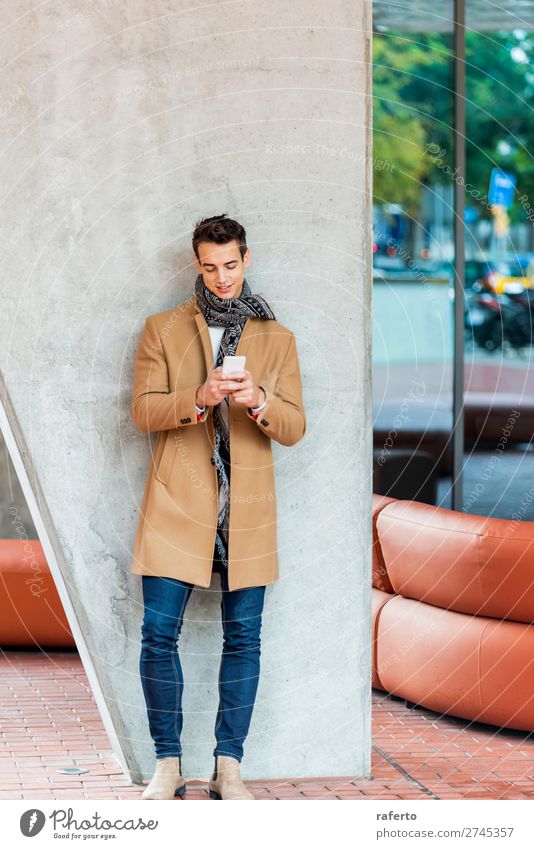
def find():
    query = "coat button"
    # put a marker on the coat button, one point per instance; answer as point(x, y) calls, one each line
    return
point(183, 421)
point(264, 422)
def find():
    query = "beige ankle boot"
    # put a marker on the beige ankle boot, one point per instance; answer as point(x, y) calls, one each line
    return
point(167, 781)
point(226, 782)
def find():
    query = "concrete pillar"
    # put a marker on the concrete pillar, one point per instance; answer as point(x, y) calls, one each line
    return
point(123, 124)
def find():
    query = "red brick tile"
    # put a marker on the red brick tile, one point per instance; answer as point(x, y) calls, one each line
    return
point(51, 720)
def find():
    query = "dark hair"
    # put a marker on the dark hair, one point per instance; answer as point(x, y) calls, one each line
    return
point(219, 229)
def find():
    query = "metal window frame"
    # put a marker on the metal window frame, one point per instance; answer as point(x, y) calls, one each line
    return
point(459, 256)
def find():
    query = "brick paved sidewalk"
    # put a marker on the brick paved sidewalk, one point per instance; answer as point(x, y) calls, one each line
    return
point(50, 720)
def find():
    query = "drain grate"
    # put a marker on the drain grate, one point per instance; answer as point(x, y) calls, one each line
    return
point(72, 770)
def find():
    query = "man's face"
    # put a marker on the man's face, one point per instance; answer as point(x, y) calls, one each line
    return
point(222, 268)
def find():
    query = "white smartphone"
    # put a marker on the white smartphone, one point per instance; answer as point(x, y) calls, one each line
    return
point(233, 364)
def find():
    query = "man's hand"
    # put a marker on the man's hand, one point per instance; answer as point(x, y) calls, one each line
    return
point(240, 385)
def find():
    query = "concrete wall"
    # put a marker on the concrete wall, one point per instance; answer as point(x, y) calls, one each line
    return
point(15, 517)
point(123, 124)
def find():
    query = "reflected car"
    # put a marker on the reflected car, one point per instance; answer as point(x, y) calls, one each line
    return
point(503, 277)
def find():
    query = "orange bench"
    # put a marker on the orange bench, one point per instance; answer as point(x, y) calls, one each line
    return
point(31, 613)
point(453, 612)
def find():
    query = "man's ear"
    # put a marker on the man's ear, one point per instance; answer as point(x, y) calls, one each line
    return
point(246, 258)
point(198, 265)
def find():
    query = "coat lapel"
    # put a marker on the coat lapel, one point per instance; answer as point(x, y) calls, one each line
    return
point(205, 339)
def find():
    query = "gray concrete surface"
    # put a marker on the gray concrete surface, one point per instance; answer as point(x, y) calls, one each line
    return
point(124, 124)
point(15, 516)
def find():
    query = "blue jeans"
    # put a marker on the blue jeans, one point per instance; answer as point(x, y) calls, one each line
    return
point(165, 600)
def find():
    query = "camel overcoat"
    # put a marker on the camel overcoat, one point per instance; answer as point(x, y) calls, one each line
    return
point(177, 524)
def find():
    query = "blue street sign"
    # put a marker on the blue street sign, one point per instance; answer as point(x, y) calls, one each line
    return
point(501, 188)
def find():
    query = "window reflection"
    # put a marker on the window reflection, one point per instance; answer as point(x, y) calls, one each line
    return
point(413, 251)
point(413, 255)
point(499, 299)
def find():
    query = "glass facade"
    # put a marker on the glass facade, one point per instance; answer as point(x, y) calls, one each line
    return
point(452, 304)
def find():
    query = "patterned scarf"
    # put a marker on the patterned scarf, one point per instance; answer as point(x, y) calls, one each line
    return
point(231, 313)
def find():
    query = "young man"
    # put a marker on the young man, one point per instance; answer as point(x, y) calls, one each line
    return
point(209, 500)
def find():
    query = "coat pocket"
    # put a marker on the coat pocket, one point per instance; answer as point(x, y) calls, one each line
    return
point(166, 460)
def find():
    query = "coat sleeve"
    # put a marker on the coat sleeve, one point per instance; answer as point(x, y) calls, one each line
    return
point(154, 407)
point(283, 418)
